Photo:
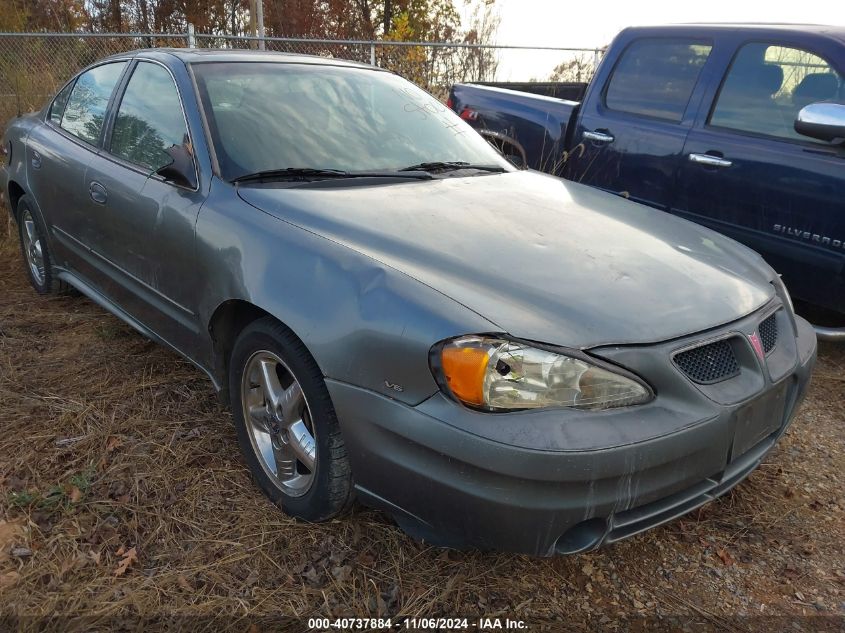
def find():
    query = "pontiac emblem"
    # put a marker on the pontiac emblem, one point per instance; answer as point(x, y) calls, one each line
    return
point(757, 345)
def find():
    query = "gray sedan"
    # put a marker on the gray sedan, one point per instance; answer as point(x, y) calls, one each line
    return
point(495, 357)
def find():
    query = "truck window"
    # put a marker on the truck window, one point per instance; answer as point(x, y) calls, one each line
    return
point(766, 87)
point(656, 77)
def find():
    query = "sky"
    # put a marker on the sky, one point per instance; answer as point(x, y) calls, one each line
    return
point(590, 24)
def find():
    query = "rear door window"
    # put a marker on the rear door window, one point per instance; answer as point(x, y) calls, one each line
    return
point(656, 77)
point(766, 87)
point(86, 107)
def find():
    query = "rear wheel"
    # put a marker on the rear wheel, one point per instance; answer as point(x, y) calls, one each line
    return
point(286, 424)
point(35, 250)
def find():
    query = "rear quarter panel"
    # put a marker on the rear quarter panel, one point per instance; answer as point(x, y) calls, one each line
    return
point(15, 136)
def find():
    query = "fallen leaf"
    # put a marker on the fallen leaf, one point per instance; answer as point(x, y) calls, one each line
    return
point(68, 441)
point(128, 557)
point(10, 532)
point(95, 556)
point(75, 495)
point(184, 584)
point(113, 443)
point(725, 557)
point(8, 579)
point(342, 573)
point(312, 575)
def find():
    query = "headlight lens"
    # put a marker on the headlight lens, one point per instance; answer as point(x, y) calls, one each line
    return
point(497, 375)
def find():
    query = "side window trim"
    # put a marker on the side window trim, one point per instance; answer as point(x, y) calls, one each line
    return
point(738, 48)
point(707, 41)
point(114, 108)
point(96, 148)
point(114, 105)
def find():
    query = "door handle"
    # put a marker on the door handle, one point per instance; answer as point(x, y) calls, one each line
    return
point(709, 160)
point(598, 136)
point(98, 192)
point(36, 160)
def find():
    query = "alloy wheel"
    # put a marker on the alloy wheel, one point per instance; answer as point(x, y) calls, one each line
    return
point(279, 423)
point(32, 247)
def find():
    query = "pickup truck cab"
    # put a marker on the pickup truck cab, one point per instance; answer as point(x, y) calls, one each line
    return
point(711, 123)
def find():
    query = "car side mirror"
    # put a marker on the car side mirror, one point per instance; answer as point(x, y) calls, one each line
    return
point(180, 170)
point(824, 121)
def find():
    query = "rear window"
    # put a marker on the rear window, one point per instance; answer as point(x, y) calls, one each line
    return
point(656, 77)
point(85, 111)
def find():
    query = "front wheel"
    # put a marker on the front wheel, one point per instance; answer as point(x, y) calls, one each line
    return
point(286, 425)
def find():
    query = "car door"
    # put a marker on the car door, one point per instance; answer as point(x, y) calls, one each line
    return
point(748, 174)
point(58, 153)
point(635, 119)
point(144, 225)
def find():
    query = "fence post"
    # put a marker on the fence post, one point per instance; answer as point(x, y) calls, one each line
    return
point(596, 59)
point(259, 6)
point(192, 38)
point(372, 53)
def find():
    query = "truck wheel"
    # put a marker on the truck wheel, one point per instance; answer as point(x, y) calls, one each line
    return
point(286, 425)
point(35, 250)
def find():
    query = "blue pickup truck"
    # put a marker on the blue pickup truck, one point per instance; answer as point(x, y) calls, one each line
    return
point(737, 127)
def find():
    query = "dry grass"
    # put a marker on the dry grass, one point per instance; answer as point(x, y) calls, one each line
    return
point(111, 443)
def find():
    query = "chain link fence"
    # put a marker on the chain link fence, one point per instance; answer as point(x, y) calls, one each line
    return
point(34, 65)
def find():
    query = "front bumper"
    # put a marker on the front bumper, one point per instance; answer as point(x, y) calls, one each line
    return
point(564, 481)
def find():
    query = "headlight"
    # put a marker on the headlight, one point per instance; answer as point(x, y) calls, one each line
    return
point(499, 375)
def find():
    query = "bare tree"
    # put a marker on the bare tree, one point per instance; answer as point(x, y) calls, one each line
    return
point(481, 64)
point(579, 68)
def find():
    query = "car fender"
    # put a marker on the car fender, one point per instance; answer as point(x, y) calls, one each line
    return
point(365, 323)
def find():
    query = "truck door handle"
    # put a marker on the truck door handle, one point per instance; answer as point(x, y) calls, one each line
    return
point(598, 136)
point(98, 192)
point(36, 160)
point(709, 160)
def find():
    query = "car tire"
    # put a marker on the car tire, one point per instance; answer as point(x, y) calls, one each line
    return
point(37, 258)
point(278, 422)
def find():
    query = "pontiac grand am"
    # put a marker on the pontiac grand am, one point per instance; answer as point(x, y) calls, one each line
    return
point(496, 357)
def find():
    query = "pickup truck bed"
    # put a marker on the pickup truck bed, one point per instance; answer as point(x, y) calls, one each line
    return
point(540, 124)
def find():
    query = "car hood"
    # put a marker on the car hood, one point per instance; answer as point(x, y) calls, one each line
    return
point(541, 258)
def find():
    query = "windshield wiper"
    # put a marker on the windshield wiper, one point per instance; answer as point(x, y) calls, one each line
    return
point(306, 174)
point(454, 165)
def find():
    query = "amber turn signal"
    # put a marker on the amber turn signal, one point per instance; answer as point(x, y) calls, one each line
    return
point(464, 369)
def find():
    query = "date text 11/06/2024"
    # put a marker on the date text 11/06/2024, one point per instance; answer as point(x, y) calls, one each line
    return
point(416, 624)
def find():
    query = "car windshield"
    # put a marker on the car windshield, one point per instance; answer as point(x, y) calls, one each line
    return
point(269, 116)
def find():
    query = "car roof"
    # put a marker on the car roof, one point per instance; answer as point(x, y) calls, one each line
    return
point(760, 29)
point(199, 55)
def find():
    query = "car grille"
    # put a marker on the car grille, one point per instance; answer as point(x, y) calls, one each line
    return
point(709, 363)
point(769, 333)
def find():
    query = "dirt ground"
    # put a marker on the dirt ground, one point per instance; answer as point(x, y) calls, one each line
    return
point(124, 502)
